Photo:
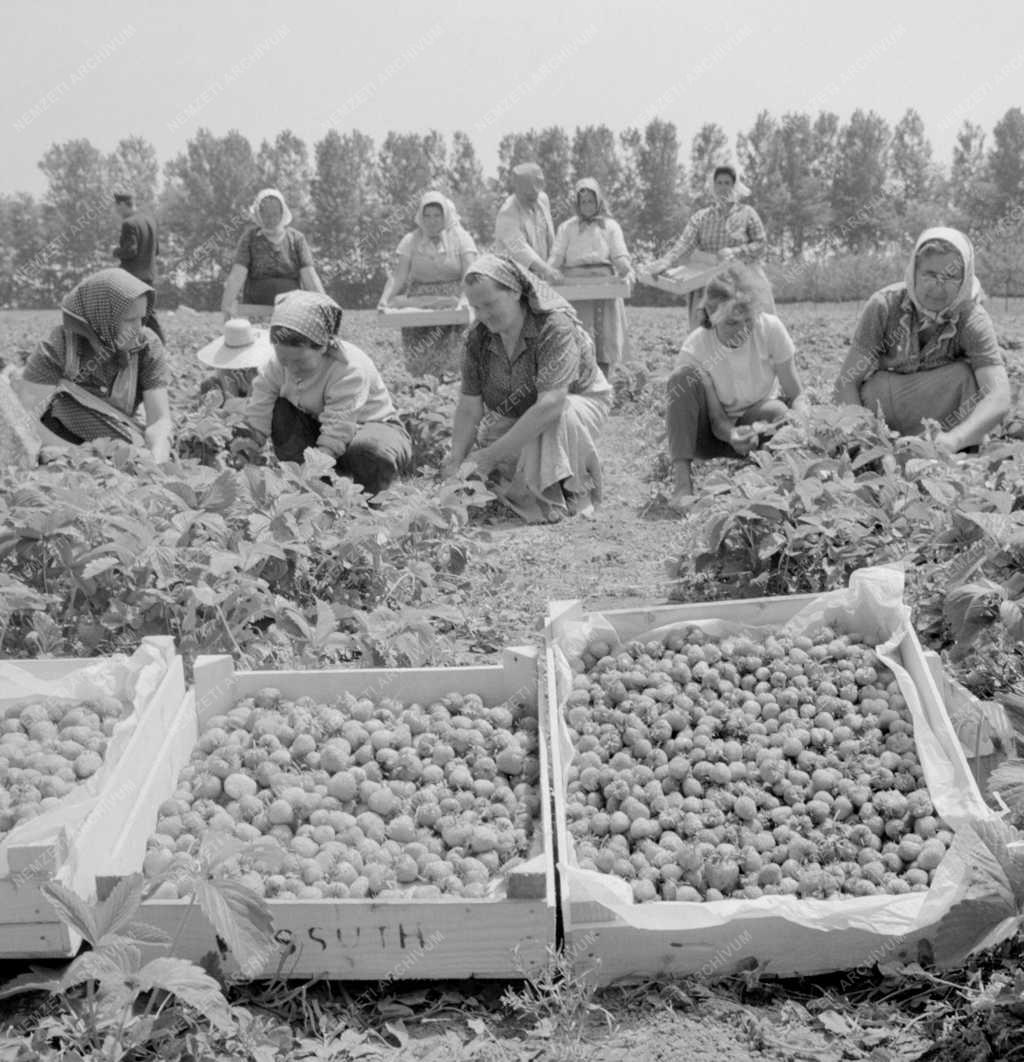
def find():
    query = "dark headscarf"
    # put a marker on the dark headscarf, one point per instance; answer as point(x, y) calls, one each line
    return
point(94, 308)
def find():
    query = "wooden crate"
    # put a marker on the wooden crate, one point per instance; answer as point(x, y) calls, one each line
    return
point(460, 315)
point(586, 289)
point(606, 948)
point(29, 927)
point(369, 939)
point(690, 276)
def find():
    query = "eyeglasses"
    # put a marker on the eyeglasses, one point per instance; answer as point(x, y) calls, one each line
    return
point(946, 279)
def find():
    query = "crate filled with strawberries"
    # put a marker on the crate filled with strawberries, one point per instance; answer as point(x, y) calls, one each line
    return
point(772, 781)
point(396, 822)
point(71, 732)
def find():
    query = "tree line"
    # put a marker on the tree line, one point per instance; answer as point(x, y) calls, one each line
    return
point(823, 187)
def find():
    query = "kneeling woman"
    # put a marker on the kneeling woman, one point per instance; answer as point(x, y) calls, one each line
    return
point(99, 365)
point(533, 398)
point(318, 391)
point(732, 367)
point(927, 348)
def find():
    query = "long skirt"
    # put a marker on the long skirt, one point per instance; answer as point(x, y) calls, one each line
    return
point(946, 394)
point(604, 320)
point(689, 422)
point(563, 459)
point(378, 453)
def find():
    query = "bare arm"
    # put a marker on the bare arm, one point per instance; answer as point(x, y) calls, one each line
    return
point(792, 388)
point(992, 403)
point(310, 280)
point(232, 289)
point(158, 423)
point(468, 414)
point(397, 281)
point(858, 365)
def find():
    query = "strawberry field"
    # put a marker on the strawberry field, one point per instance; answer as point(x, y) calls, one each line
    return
point(705, 768)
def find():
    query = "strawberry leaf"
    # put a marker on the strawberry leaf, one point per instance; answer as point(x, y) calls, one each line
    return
point(187, 982)
point(241, 919)
point(72, 910)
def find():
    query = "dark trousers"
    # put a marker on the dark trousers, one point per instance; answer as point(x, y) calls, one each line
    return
point(379, 451)
point(689, 422)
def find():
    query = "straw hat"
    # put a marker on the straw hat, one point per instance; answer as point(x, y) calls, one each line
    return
point(241, 347)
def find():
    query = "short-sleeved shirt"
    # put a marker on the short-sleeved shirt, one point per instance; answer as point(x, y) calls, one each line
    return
point(265, 259)
point(576, 241)
point(890, 336)
point(96, 374)
point(553, 351)
point(346, 389)
point(436, 262)
point(743, 375)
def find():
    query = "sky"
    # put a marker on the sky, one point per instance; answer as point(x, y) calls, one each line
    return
point(104, 71)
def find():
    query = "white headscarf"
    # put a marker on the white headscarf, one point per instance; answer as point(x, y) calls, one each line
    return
point(276, 234)
point(739, 189)
point(969, 287)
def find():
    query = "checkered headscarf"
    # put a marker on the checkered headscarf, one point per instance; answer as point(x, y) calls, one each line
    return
point(315, 316)
point(99, 302)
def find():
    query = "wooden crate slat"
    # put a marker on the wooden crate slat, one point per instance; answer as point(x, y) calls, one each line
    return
point(607, 949)
point(681, 282)
point(386, 939)
point(369, 939)
point(460, 315)
point(38, 940)
point(254, 313)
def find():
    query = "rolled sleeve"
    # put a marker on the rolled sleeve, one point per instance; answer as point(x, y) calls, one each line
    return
point(154, 368)
point(558, 354)
point(980, 346)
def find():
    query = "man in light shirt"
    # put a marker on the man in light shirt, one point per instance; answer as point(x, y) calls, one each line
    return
point(523, 230)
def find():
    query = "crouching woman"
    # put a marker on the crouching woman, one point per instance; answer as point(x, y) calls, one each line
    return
point(320, 392)
point(732, 369)
point(926, 347)
point(533, 399)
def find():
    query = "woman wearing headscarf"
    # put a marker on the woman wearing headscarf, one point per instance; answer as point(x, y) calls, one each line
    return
point(99, 365)
point(271, 257)
point(432, 260)
point(591, 244)
point(728, 228)
point(926, 348)
point(319, 392)
point(533, 399)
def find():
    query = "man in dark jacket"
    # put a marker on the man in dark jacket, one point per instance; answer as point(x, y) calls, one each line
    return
point(138, 248)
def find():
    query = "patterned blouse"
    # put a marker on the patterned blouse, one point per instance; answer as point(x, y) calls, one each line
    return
point(553, 352)
point(714, 228)
point(892, 335)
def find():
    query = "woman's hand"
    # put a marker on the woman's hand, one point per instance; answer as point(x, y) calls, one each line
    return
point(485, 460)
point(159, 445)
point(743, 439)
point(727, 254)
